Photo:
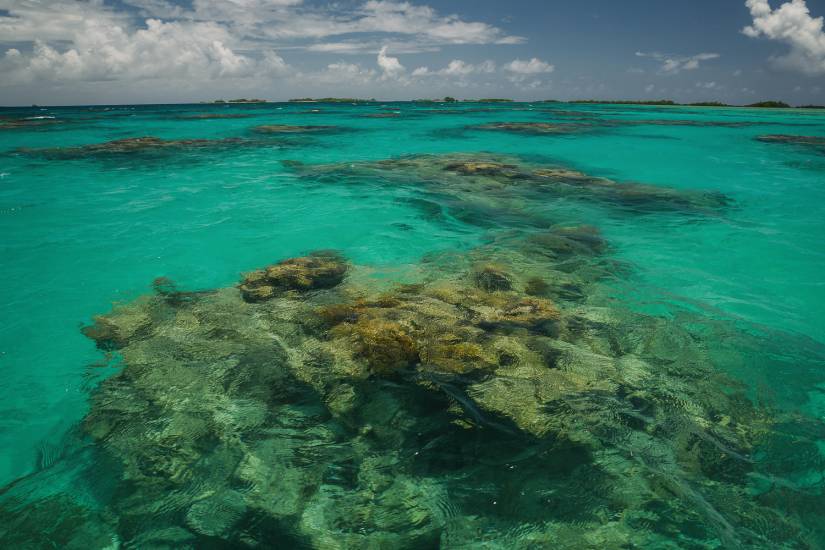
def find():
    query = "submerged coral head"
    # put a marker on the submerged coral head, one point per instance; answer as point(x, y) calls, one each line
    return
point(318, 270)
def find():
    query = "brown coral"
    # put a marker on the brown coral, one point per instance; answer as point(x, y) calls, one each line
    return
point(386, 345)
point(482, 168)
point(129, 146)
point(318, 270)
point(526, 312)
point(491, 278)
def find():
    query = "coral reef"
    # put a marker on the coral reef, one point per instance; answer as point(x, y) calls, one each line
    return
point(130, 146)
point(428, 413)
point(497, 396)
point(816, 143)
point(488, 187)
point(531, 128)
point(15, 123)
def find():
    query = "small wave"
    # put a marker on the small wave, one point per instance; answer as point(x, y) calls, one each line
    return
point(39, 117)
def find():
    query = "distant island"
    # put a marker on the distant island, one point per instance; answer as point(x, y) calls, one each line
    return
point(449, 99)
point(769, 104)
point(773, 104)
point(241, 100)
point(330, 100)
point(624, 101)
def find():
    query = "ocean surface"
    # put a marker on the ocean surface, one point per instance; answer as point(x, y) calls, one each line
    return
point(543, 325)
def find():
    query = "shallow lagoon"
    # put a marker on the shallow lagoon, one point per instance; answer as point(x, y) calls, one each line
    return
point(658, 269)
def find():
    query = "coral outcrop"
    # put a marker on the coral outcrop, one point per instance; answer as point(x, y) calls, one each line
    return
point(358, 416)
point(531, 128)
point(496, 396)
point(322, 269)
point(494, 187)
point(131, 146)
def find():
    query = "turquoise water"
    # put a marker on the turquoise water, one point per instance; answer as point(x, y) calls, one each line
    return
point(84, 228)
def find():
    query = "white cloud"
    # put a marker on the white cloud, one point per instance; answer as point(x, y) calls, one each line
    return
point(174, 50)
point(672, 64)
point(361, 47)
point(391, 67)
point(339, 74)
point(406, 18)
point(56, 20)
point(706, 85)
point(792, 24)
point(533, 66)
point(458, 68)
point(290, 19)
point(205, 40)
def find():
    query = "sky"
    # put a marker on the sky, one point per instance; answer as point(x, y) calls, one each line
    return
point(70, 52)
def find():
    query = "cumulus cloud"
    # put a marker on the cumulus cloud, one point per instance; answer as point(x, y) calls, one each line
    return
point(792, 24)
point(361, 47)
point(338, 74)
point(458, 68)
point(206, 40)
point(290, 19)
point(672, 64)
point(391, 67)
point(533, 66)
point(406, 18)
point(99, 45)
point(161, 50)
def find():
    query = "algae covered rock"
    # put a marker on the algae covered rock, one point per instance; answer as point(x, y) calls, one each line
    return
point(217, 514)
point(527, 312)
point(385, 345)
point(482, 168)
point(117, 329)
point(319, 270)
point(567, 242)
point(492, 278)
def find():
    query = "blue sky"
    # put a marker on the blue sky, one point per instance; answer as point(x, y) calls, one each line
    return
point(124, 51)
